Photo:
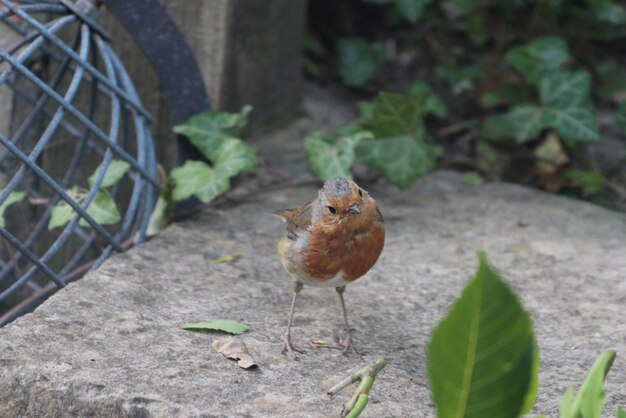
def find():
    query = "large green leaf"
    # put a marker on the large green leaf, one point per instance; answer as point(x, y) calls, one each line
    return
point(432, 103)
point(395, 114)
point(329, 159)
point(589, 401)
point(12, 198)
point(234, 156)
point(196, 178)
point(208, 130)
point(480, 357)
point(538, 57)
point(621, 412)
point(115, 172)
point(359, 60)
point(578, 123)
point(562, 89)
point(401, 159)
point(102, 209)
point(62, 212)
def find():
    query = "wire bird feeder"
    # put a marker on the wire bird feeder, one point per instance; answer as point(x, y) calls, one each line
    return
point(67, 106)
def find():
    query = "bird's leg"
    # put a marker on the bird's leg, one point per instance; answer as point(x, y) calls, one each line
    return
point(286, 337)
point(347, 342)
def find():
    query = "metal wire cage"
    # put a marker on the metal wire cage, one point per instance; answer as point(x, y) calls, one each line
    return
point(67, 106)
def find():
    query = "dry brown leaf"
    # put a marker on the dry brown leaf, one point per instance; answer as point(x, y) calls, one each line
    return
point(234, 348)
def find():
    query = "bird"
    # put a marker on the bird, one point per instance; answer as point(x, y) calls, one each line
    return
point(331, 241)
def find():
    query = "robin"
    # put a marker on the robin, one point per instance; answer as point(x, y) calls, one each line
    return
point(331, 241)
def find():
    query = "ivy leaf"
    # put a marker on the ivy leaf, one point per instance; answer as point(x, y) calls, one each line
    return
point(223, 325)
point(431, 101)
point(62, 212)
point(401, 159)
point(394, 115)
point(329, 159)
point(577, 123)
point(412, 10)
point(484, 344)
point(115, 172)
point(102, 209)
point(562, 89)
point(527, 122)
point(609, 12)
point(12, 198)
point(234, 156)
point(590, 398)
point(196, 178)
point(208, 130)
point(538, 57)
point(359, 60)
point(620, 118)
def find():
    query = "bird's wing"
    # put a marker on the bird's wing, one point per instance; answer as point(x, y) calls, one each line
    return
point(297, 219)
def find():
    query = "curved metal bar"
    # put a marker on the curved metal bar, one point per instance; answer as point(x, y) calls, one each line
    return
point(61, 45)
point(74, 112)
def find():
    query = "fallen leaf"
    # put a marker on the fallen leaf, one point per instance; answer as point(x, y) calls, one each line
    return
point(235, 349)
point(324, 344)
point(227, 258)
point(224, 325)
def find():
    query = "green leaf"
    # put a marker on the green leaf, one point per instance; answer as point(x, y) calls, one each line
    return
point(234, 156)
point(359, 60)
point(480, 357)
point(329, 159)
point(461, 79)
point(621, 413)
point(62, 212)
point(565, 407)
point(620, 118)
point(401, 159)
point(394, 115)
point(115, 172)
point(411, 10)
point(431, 101)
point(609, 12)
point(527, 122)
point(563, 89)
point(196, 178)
point(227, 258)
point(538, 57)
point(577, 123)
point(208, 130)
point(591, 181)
point(590, 398)
point(223, 325)
point(472, 178)
point(531, 395)
point(12, 198)
point(102, 209)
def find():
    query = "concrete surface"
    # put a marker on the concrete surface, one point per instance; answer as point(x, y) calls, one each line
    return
point(109, 345)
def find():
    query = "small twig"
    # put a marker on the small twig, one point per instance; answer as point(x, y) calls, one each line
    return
point(360, 398)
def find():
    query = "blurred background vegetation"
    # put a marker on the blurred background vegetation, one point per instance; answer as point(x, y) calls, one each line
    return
point(527, 91)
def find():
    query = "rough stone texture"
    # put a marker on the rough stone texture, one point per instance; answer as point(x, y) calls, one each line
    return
point(109, 345)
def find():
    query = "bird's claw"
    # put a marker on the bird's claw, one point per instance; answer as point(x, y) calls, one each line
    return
point(287, 345)
point(347, 345)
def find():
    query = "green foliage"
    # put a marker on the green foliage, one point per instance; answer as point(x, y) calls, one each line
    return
point(564, 105)
point(13, 197)
point(472, 178)
point(329, 158)
point(359, 60)
point(410, 10)
point(222, 325)
point(590, 398)
point(215, 134)
point(538, 57)
point(621, 413)
point(197, 178)
point(115, 172)
point(591, 182)
point(102, 208)
point(389, 137)
point(461, 79)
point(481, 357)
point(208, 130)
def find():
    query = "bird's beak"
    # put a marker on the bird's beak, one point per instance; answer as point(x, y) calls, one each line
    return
point(354, 208)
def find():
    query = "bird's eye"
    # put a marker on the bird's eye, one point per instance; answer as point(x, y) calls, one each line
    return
point(331, 209)
point(361, 192)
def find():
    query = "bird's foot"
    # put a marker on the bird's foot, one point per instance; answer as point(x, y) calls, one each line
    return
point(348, 345)
point(288, 347)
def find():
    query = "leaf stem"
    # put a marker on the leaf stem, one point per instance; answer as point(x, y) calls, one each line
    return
point(360, 398)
